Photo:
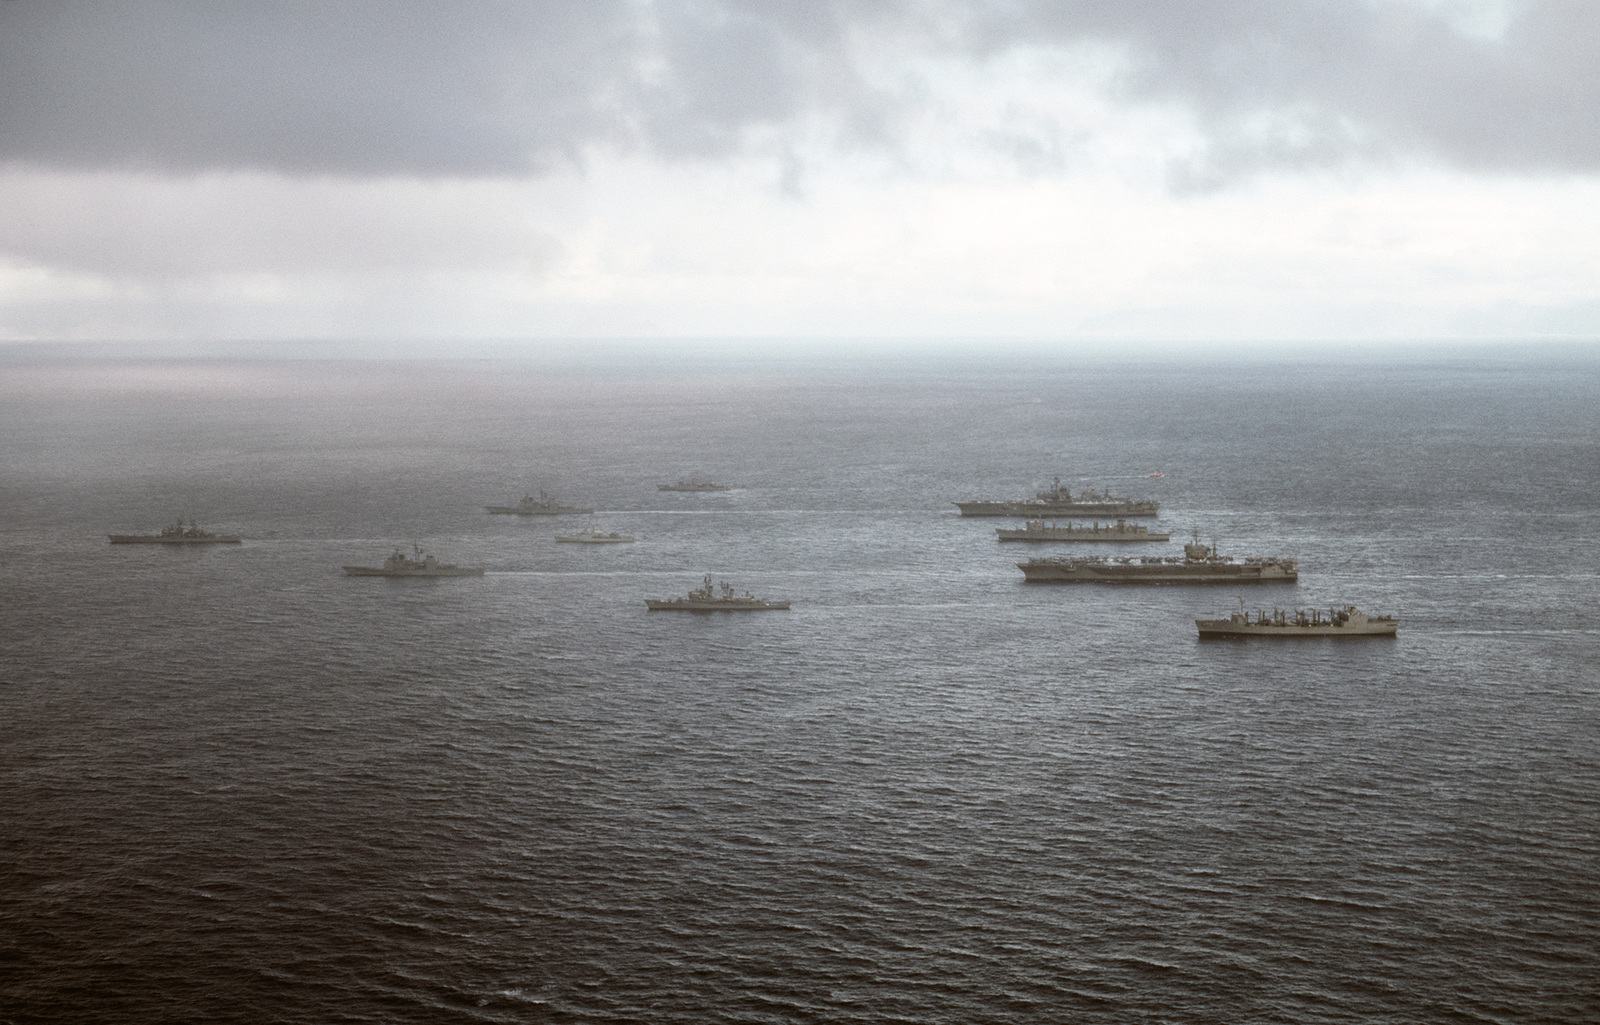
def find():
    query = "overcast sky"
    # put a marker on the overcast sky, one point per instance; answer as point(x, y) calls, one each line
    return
point(1050, 169)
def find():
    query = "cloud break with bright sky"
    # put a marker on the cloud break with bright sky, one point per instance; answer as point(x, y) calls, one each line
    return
point(1075, 169)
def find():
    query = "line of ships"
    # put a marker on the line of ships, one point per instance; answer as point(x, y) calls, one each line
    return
point(1200, 563)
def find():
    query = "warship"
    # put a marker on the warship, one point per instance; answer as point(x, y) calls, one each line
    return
point(593, 537)
point(1346, 622)
point(177, 534)
point(705, 599)
point(1039, 530)
point(1200, 565)
point(692, 484)
point(544, 505)
point(424, 565)
point(1059, 501)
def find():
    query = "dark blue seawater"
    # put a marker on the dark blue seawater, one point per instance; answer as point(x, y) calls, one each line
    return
point(238, 786)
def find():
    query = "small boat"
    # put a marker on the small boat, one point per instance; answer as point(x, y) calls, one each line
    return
point(1158, 475)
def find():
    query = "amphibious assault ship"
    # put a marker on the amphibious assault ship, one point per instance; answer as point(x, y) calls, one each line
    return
point(1039, 530)
point(1346, 622)
point(177, 534)
point(544, 505)
point(705, 599)
point(1200, 565)
point(1060, 501)
point(693, 484)
point(424, 565)
point(593, 537)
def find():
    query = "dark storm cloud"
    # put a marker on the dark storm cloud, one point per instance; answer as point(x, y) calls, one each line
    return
point(1314, 81)
point(497, 88)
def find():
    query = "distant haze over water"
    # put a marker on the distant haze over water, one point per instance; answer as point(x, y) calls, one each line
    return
point(240, 786)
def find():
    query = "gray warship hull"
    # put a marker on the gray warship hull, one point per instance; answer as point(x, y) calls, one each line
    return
point(705, 598)
point(150, 539)
point(424, 565)
point(1066, 571)
point(1200, 565)
point(1346, 623)
point(713, 605)
point(1121, 532)
point(438, 571)
point(551, 510)
point(1052, 510)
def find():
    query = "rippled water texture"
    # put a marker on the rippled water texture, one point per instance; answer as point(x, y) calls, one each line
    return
point(240, 786)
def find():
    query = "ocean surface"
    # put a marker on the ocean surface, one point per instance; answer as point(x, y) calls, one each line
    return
point(239, 786)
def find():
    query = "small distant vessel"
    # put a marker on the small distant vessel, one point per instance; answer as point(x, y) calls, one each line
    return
point(544, 505)
point(1346, 622)
point(1039, 530)
point(1060, 501)
point(177, 534)
point(693, 484)
point(706, 599)
point(1153, 475)
point(594, 537)
point(1200, 565)
point(423, 565)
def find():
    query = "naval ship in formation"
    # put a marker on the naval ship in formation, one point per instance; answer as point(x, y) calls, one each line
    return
point(1060, 501)
point(693, 484)
point(1039, 530)
point(544, 505)
point(177, 534)
point(1200, 565)
point(706, 599)
point(594, 537)
point(1346, 622)
point(424, 565)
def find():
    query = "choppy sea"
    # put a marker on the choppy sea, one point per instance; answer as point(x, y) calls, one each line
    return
point(239, 786)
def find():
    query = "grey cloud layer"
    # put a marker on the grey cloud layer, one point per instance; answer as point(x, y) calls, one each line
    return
point(508, 88)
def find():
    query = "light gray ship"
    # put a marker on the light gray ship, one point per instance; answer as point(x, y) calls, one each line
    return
point(1200, 565)
point(594, 537)
point(1060, 501)
point(693, 484)
point(706, 599)
point(544, 505)
point(423, 565)
point(177, 534)
point(1039, 530)
point(1339, 622)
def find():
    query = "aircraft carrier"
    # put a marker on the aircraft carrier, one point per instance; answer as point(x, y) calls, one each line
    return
point(1200, 565)
point(1060, 501)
